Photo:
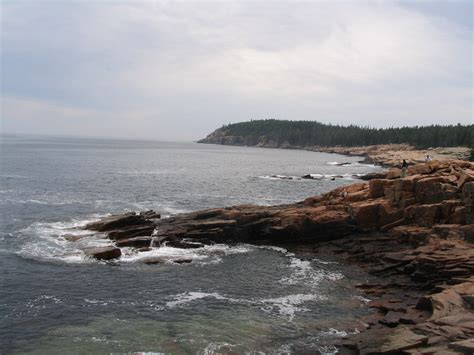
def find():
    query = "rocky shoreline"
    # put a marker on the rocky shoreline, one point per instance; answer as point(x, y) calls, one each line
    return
point(414, 233)
point(386, 155)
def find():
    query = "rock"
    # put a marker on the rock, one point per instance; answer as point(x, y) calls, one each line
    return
point(136, 242)
point(466, 176)
point(463, 346)
point(357, 196)
point(377, 187)
point(423, 215)
point(131, 231)
point(164, 260)
point(365, 214)
point(183, 245)
point(394, 173)
point(104, 253)
point(420, 169)
point(402, 339)
point(371, 176)
point(116, 221)
point(391, 319)
point(468, 231)
point(150, 214)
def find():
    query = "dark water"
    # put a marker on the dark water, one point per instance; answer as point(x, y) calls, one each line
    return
point(231, 298)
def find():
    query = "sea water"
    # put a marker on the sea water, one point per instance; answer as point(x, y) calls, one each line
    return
point(241, 298)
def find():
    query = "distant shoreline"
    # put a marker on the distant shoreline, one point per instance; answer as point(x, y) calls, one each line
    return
point(385, 155)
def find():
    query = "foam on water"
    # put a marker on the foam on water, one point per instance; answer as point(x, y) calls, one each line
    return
point(289, 305)
point(45, 241)
point(286, 306)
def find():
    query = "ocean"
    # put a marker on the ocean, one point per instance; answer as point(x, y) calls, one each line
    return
point(231, 298)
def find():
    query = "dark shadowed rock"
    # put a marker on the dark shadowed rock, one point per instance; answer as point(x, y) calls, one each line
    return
point(104, 253)
point(136, 242)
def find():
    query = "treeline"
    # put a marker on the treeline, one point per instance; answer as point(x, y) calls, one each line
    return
point(308, 133)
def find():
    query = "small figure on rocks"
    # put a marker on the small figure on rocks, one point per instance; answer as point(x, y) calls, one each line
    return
point(428, 158)
point(404, 168)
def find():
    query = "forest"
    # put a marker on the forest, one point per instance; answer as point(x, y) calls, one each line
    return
point(310, 133)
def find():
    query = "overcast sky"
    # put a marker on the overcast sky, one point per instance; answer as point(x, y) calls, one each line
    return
point(171, 70)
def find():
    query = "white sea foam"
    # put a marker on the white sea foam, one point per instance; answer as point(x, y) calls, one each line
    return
point(215, 348)
point(302, 272)
point(45, 241)
point(209, 254)
point(42, 301)
point(278, 249)
point(289, 305)
point(188, 297)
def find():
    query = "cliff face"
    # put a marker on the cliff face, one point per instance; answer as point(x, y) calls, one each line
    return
point(415, 232)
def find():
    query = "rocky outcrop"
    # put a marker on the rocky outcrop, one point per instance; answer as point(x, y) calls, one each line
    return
point(413, 232)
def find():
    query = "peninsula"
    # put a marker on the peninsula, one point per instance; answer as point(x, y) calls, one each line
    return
point(385, 147)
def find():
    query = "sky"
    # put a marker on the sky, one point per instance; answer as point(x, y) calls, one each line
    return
point(177, 70)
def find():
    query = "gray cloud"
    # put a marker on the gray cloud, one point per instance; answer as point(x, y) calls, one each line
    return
point(177, 70)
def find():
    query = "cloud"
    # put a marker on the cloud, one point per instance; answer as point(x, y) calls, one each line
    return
point(199, 65)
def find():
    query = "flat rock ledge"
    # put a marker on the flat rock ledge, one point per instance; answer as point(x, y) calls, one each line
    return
point(414, 232)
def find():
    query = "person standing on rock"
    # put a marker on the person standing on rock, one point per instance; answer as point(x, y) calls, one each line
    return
point(404, 168)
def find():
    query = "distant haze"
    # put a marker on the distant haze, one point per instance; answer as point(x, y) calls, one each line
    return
point(171, 70)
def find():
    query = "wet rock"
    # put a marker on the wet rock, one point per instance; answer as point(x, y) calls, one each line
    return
point(136, 242)
point(104, 253)
point(165, 260)
point(150, 214)
point(132, 231)
point(117, 221)
point(463, 346)
point(183, 244)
